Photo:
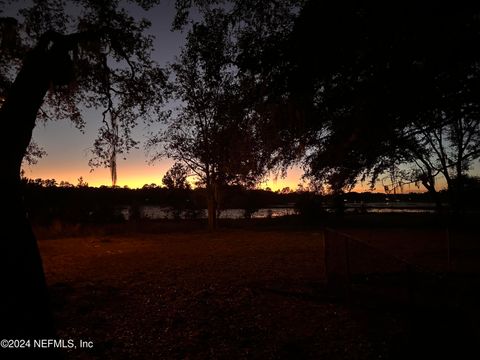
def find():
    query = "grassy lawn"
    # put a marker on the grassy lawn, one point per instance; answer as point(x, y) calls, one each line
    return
point(164, 292)
point(235, 294)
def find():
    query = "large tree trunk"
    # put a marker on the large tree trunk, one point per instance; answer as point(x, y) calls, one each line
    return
point(429, 184)
point(212, 207)
point(24, 305)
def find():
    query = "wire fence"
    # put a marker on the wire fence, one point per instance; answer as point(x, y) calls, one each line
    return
point(435, 312)
point(359, 272)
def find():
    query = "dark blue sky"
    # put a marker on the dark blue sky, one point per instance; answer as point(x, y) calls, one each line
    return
point(68, 149)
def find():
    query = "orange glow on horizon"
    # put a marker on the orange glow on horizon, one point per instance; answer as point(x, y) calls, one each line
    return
point(136, 173)
point(133, 175)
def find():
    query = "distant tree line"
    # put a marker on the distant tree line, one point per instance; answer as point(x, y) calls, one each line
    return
point(48, 200)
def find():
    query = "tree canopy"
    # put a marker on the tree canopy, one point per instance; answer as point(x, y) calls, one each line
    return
point(106, 58)
point(213, 130)
point(343, 85)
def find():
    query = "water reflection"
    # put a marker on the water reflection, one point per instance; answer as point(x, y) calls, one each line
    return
point(160, 212)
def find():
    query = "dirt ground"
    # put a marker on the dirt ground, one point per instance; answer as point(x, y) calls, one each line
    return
point(160, 291)
point(234, 294)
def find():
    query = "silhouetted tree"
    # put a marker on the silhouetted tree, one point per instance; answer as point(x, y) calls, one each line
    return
point(66, 184)
point(33, 153)
point(380, 69)
point(360, 88)
point(213, 132)
point(81, 183)
point(176, 177)
point(176, 182)
point(442, 147)
point(55, 56)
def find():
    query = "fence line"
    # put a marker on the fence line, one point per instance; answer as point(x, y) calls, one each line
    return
point(437, 312)
point(357, 271)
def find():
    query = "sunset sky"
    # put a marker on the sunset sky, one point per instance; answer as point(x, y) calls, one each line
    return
point(68, 149)
point(68, 154)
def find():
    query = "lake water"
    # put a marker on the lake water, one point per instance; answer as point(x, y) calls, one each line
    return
point(160, 212)
point(390, 207)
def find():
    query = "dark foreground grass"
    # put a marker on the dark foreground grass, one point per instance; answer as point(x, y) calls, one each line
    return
point(235, 294)
point(165, 291)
